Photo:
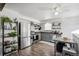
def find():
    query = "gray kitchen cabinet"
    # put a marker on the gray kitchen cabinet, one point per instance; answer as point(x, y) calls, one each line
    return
point(46, 36)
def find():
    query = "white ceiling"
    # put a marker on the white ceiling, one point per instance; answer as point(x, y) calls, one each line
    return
point(41, 11)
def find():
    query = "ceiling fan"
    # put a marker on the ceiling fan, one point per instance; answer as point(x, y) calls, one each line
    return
point(54, 8)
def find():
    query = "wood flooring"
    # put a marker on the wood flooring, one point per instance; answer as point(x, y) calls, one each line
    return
point(38, 49)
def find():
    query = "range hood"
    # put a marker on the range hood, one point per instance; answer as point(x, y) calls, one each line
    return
point(2, 6)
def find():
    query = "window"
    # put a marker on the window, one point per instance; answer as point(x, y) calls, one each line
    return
point(48, 26)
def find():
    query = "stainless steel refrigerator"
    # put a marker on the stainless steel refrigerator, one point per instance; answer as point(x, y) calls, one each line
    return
point(25, 35)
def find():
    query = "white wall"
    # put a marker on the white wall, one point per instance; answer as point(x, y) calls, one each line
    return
point(9, 13)
point(69, 25)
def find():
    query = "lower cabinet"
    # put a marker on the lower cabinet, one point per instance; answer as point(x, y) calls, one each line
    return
point(46, 36)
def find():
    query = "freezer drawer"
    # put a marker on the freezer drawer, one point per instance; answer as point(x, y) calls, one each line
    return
point(25, 42)
point(0, 50)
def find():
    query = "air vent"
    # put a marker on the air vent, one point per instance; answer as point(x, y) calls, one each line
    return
point(2, 6)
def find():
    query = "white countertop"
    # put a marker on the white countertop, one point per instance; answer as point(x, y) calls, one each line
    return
point(62, 40)
point(50, 31)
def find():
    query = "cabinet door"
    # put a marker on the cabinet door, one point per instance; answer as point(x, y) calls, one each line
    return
point(46, 36)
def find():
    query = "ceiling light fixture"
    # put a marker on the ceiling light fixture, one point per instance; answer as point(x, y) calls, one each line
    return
point(56, 13)
point(56, 9)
